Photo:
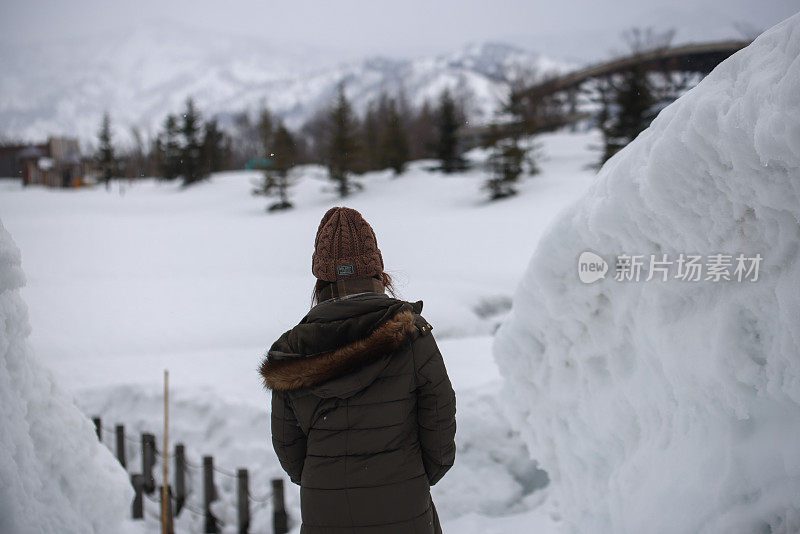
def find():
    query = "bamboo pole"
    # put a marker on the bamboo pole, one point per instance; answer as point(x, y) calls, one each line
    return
point(164, 494)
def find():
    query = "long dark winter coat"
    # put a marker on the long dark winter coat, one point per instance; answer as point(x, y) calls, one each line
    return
point(363, 415)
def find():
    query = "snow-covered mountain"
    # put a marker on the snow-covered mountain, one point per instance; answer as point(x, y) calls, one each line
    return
point(63, 87)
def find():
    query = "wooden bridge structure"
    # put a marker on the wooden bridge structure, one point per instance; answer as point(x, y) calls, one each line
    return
point(553, 102)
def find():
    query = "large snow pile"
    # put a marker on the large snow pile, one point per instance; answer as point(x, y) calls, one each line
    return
point(674, 406)
point(56, 476)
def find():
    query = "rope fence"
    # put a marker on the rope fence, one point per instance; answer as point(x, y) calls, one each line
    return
point(266, 498)
point(224, 472)
point(184, 486)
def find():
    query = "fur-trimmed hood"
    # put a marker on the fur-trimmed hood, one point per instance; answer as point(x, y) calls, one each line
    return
point(341, 338)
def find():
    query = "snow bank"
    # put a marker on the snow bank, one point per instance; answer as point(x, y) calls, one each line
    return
point(493, 474)
point(56, 477)
point(674, 406)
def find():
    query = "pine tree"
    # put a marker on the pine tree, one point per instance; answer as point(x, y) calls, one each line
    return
point(213, 148)
point(631, 111)
point(394, 149)
point(316, 132)
point(448, 151)
point(169, 149)
point(512, 151)
point(423, 132)
point(106, 159)
point(343, 146)
point(505, 165)
point(265, 131)
point(191, 168)
point(371, 146)
point(247, 141)
point(136, 166)
point(277, 179)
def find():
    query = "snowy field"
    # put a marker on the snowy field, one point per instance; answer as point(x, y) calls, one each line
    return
point(123, 284)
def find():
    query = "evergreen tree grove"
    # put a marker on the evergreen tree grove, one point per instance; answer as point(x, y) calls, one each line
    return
point(190, 148)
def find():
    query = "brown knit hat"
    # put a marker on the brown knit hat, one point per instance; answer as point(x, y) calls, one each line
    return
point(345, 247)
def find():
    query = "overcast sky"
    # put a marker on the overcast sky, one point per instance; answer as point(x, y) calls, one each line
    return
point(571, 29)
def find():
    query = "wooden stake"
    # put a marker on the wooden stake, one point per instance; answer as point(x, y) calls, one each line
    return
point(148, 460)
point(164, 494)
point(209, 495)
point(119, 430)
point(280, 520)
point(138, 503)
point(243, 501)
point(98, 428)
point(180, 477)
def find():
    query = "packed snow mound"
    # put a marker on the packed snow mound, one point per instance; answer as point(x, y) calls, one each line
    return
point(56, 476)
point(674, 406)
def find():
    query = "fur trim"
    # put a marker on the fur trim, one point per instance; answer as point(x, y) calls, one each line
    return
point(302, 372)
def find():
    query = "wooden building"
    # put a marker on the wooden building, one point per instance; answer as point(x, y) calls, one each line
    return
point(55, 163)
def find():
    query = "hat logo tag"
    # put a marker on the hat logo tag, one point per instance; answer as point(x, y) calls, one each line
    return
point(344, 269)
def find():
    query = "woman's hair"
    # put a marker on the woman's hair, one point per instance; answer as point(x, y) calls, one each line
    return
point(384, 278)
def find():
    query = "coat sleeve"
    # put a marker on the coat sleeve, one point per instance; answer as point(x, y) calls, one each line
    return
point(288, 438)
point(436, 409)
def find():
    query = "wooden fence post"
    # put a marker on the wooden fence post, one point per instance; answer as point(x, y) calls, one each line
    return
point(138, 499)
point(148, 460)
point(280, 521)
point(243, 501)
point(170, 528)
point(119, 430)
point(180, 477)
point(98, 428)
point(166, 500)
point(209, 495)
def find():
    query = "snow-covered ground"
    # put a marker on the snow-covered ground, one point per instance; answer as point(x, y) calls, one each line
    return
point(674, 406)
point(124, 284)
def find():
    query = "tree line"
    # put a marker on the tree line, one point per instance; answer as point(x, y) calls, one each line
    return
point(388, 135)
point(187, 148)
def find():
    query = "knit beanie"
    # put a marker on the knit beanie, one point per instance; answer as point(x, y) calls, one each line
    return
point(345, 247)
